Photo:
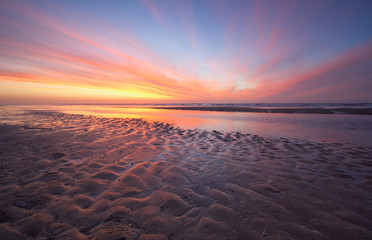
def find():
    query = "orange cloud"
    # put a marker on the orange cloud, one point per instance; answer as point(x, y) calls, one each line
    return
point(58, 60)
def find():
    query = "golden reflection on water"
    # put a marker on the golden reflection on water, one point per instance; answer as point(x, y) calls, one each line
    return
point(184, 118)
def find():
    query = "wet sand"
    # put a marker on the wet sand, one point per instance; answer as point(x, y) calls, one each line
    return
point(356, 111)
point(79, 177)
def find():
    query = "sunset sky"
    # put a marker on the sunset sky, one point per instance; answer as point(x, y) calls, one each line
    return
point(185, 51)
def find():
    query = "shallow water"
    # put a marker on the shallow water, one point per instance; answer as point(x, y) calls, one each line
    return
point(336, 128)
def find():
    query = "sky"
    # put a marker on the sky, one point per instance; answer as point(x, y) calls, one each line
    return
point(158, 51)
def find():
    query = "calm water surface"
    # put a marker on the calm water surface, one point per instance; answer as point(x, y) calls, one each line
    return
point(339, 128)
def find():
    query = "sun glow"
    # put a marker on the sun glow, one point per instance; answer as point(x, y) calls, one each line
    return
point(189, 52)
point(39, 92)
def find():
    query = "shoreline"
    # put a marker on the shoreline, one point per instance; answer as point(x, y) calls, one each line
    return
point(356, 111)
point(83, 177)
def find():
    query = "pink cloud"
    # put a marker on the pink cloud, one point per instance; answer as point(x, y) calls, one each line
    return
point(345, 69)
point(156, 14)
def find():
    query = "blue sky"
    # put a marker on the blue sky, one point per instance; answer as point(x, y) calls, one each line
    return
point(185, 51)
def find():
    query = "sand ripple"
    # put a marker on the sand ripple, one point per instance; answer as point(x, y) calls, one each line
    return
point(77, 177)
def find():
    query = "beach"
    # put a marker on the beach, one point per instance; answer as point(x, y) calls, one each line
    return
point(71, 176)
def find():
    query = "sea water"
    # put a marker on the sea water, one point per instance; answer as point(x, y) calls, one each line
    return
point(332, 128)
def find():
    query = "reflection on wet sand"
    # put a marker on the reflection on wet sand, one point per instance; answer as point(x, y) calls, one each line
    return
point(81, 177)
point(338, 128)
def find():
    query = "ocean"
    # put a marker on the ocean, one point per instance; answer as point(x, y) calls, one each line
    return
point(330, 128)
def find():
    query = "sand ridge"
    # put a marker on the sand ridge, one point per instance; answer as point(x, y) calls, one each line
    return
point(81, 177)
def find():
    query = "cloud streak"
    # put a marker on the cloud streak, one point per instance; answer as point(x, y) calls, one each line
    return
point(264, 56)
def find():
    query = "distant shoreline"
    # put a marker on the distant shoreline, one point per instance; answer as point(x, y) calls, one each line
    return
point(354, 111)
